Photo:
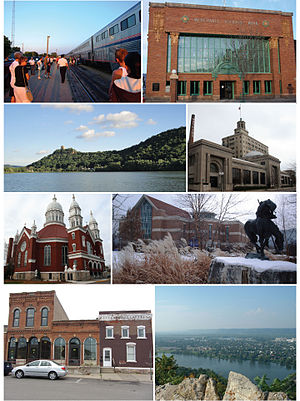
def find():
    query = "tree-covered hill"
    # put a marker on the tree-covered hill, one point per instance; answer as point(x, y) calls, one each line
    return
point(165, 151)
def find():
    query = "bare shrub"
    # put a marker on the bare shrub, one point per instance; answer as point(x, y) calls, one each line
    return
point(160, 262)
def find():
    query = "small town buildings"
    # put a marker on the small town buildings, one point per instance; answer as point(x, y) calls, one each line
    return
point(38, 327)
point(240, 163)
point(55, 252)
point(210, 53)
point(157, 219)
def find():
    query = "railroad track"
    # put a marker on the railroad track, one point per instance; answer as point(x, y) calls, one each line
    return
point(88, 86)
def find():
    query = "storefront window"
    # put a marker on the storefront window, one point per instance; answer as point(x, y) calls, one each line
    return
point(59, 349)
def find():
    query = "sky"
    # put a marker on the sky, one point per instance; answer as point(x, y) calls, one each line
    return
point(68, 23)
point(84, 127)
point(244, 210)
point(268, 123)
point(277, 5)
point(24, 208)
point(183, 308)
point(85, 301)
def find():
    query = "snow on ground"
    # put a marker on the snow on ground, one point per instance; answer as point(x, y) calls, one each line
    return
point(257, 264)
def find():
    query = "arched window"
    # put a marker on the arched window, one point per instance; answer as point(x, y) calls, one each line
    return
point(33, 349)
point(12, 346)
point(214, 168)
point(16, 318)
point(74, 247)
point(47, 255)
point(22, 348)
point(19, 258)
point(90, 349)
point(30, 317)
point(44, 317)
point(74, 352)
point(64, 250)
point(25, 258)
point(59, 349)
point(45, 348)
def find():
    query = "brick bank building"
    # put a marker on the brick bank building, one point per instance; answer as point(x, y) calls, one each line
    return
point(209, 53)
point(39, 328)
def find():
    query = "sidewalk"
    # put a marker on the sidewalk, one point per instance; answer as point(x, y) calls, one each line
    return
point(50, 89)
point(127, 377)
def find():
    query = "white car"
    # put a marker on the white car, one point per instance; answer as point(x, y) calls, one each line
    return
point(40, 368)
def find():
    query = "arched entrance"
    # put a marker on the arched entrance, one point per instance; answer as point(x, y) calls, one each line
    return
point(214, 177)
point(74, 352)
point(33, 349)
point(45, 348)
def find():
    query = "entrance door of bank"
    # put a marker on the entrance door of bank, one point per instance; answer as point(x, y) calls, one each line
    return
point(226, 89)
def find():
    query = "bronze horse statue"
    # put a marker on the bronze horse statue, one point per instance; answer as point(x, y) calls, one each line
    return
point(261, 229)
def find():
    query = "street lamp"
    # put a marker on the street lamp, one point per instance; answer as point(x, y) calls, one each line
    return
point(48, 37)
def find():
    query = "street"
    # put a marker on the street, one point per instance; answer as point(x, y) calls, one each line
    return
point(74, 388)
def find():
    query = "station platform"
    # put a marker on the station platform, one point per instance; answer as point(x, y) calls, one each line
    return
point(48, 90)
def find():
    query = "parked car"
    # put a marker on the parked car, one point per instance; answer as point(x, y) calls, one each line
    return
point(40, 368)
point(8, 367)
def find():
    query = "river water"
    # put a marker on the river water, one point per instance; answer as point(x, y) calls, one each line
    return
point(223, 367)
point(137, 181)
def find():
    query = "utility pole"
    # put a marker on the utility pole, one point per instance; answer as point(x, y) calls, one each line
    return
point(13, 23)
point(48, 37)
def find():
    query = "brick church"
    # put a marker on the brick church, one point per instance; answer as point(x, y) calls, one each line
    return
point(55, 252)
point(39, 328)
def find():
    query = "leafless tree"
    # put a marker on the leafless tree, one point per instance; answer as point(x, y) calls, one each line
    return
point(196, 205)
point(287, 216)
point(119, 209)
point(228, 207)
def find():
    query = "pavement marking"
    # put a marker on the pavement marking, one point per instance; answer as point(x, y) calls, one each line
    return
point(79, 380)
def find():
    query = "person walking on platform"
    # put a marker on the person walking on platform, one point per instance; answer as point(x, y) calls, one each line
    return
point(47, 67)
point(32, 66)
point(40, 66)
point(21, 81)
point(12, 67)
point(63, 65)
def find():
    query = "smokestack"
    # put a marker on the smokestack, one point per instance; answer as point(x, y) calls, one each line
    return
point(192, 127)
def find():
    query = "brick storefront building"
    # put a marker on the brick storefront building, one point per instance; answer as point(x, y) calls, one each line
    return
point(56, 252)
point(157, 218)
point(38, 327)
point(198, 52)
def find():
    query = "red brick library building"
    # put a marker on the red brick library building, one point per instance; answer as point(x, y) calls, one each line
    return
point(39, 328)
point(209, 53)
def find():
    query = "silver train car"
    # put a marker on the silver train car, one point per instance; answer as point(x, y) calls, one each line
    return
point(123, 32)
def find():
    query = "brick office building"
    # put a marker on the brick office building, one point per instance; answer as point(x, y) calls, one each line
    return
point(198, 52)
point(158, 218)
point(56, 252)
point(38, 327)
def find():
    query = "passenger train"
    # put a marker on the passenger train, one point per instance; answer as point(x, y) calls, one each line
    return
point(123, 32)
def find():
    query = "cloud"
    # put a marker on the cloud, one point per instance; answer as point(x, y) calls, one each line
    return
point(81, 128)
point(42, 152)
point(91, 134)
point(73, 108)
point(255, 312)
point(151, 122)
point(124, 119)
point(99, 119)
point(68, 122)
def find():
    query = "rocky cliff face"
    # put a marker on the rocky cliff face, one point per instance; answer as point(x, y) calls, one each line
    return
point(239, 388)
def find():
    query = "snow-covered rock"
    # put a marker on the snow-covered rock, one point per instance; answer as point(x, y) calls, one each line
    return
point(239, 270)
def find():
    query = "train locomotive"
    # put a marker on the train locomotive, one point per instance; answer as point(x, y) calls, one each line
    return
point(123, 32)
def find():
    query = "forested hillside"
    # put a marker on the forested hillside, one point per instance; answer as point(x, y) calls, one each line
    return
point(165, 151)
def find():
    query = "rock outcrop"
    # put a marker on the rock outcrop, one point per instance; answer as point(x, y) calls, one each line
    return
point(238, 270)
point(239, 388)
